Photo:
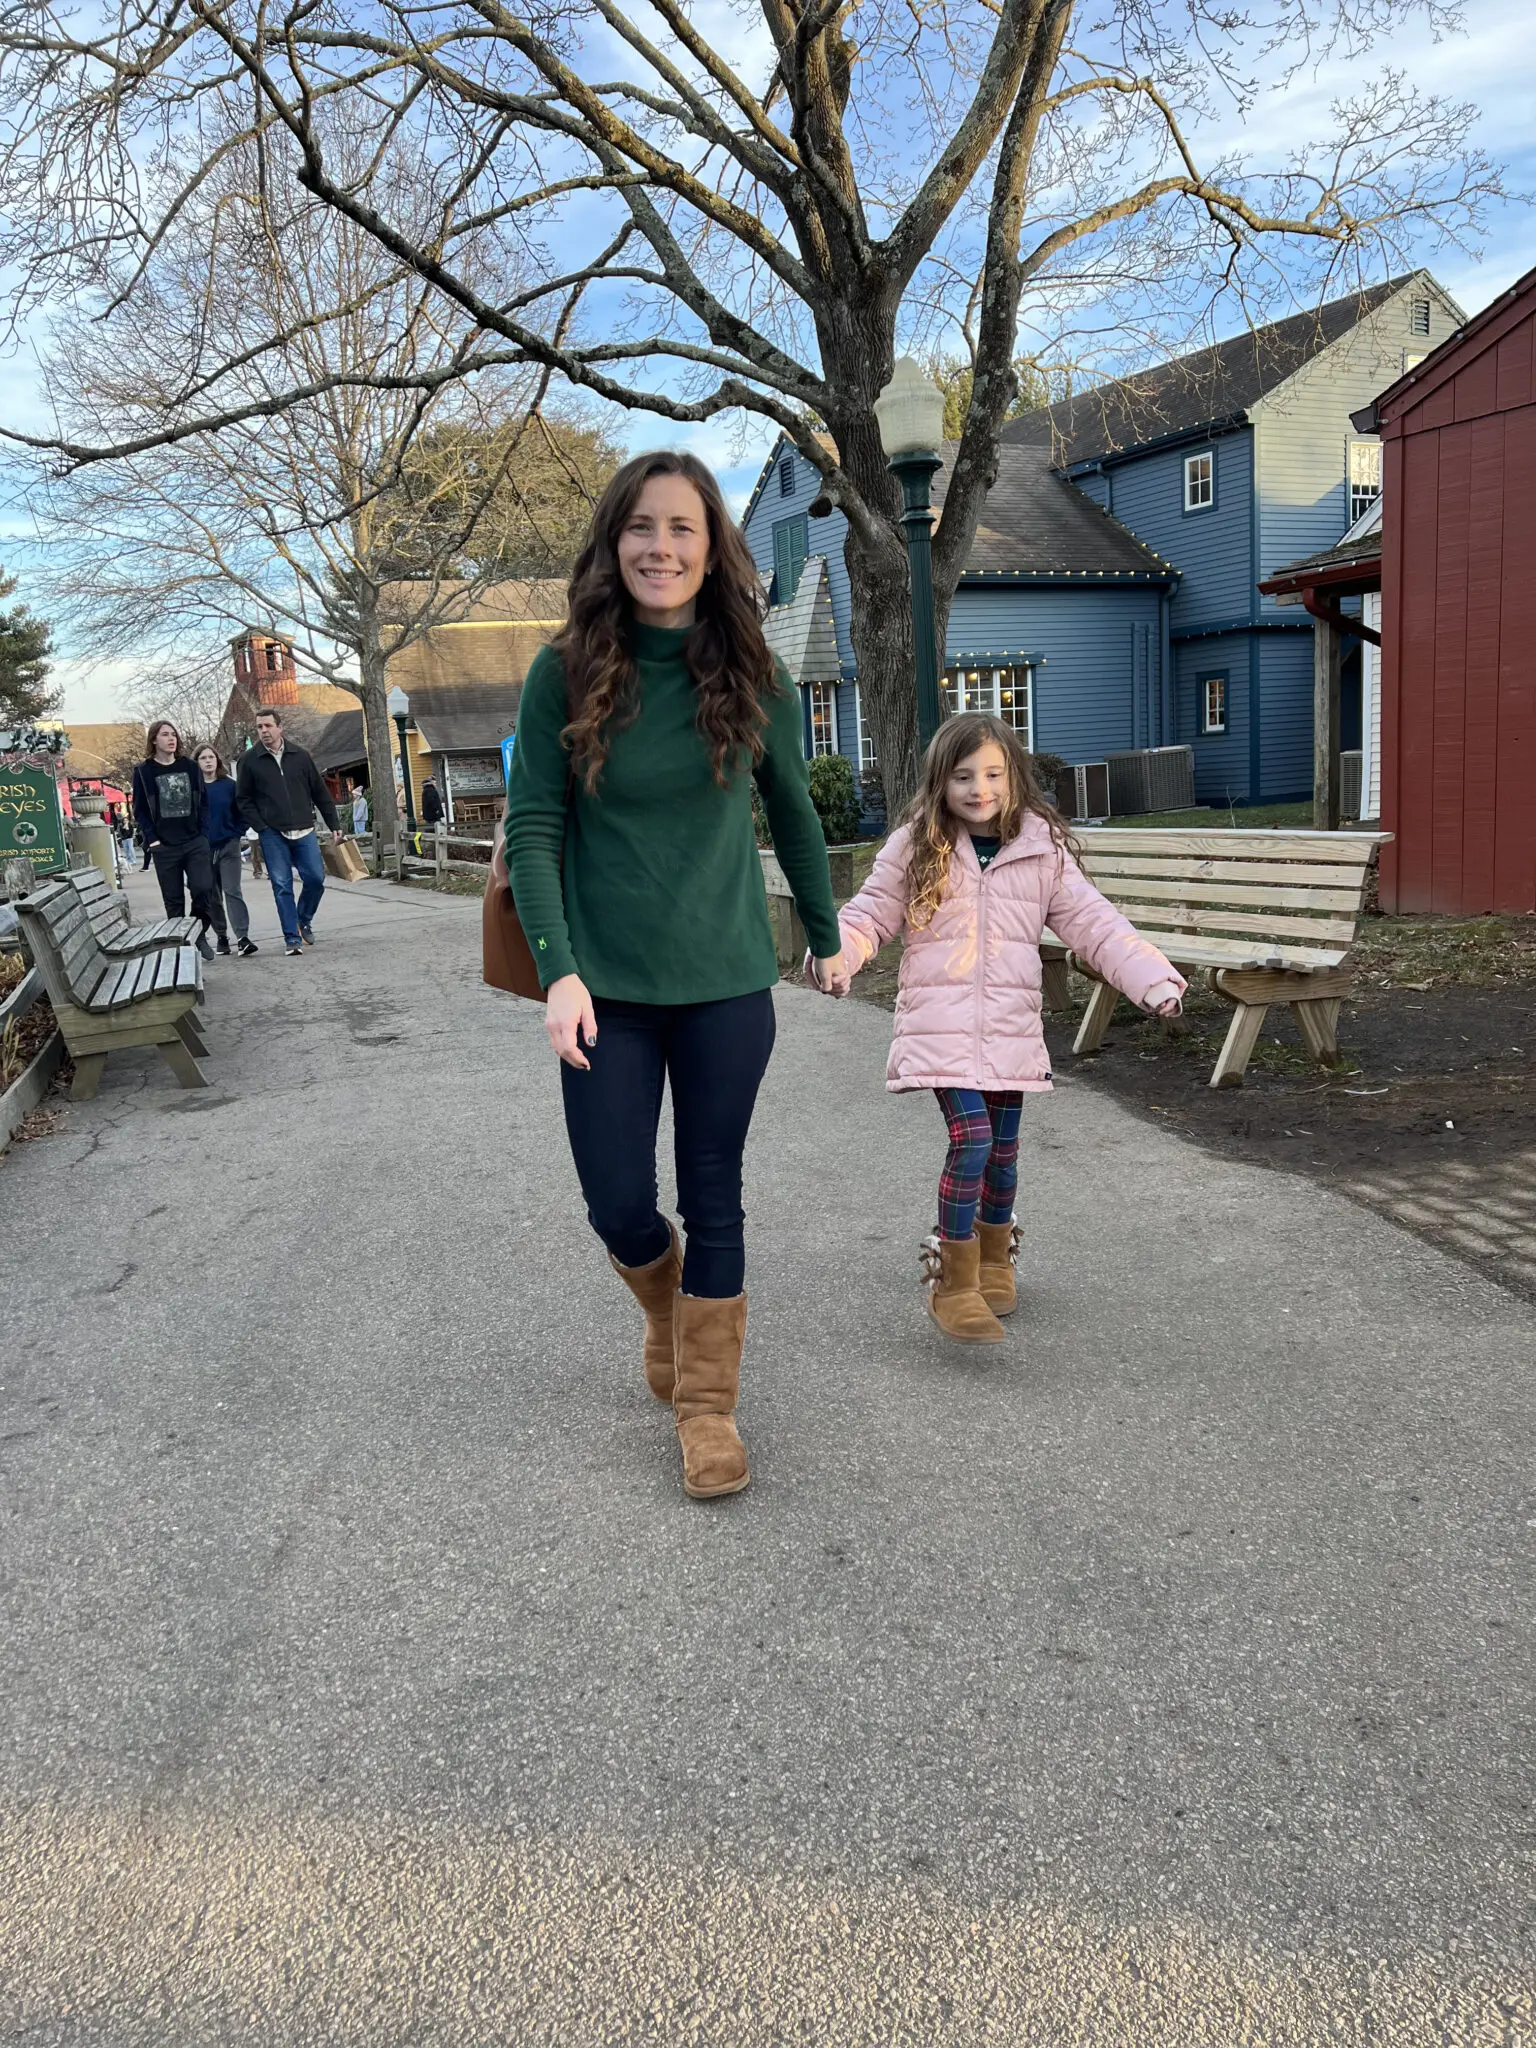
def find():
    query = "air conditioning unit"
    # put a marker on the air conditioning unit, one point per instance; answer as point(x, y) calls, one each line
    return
point(1091, 790)
point(1151, 779)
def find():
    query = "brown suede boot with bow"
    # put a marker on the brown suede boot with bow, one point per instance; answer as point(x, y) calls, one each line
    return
point(999, 1256)
point(709, 1337)
point(655, 1288)
point(952, 1271)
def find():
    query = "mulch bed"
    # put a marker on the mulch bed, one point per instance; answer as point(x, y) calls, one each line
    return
point(23, 1041)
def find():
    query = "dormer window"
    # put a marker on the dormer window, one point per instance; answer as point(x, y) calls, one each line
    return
point(1418, 316)
point(1199, 481)
point(787, 477)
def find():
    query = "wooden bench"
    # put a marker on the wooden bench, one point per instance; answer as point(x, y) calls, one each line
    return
point(1271, 915)
point(108, 911)
point(103, 1001)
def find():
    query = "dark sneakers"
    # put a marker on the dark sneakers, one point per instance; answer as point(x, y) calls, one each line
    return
point(203, 946)
point(246, 948)
point(307, 932)
point(294, 952)
point(224, 947)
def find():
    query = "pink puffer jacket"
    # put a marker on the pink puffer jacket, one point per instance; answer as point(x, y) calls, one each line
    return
point(968, 1007)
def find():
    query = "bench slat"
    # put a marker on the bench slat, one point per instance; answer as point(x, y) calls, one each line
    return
point(105, 994)
point(1189, 949)
point(1352, 849)
point(1153, 888)
point(165, 970)
point(143, 982)
point(188, 968)
point(86, 983)
point(1321, 931)
point(1280, 874)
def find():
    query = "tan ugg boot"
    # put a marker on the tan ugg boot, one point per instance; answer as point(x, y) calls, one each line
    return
point(655, 1288)
point(952, 1271)
point(709, 1336)
point(999, 1256)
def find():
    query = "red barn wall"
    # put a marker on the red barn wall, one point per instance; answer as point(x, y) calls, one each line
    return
point(1459, 635)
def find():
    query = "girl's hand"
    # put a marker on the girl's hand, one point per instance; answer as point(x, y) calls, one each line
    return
point(1168, 1003)
point(832, 977)
point(569, 1018)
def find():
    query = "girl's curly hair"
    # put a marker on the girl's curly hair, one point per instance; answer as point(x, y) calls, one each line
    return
point(726, 653)
point(934, 831)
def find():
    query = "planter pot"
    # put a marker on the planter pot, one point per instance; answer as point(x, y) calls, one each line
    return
point(29, 1088)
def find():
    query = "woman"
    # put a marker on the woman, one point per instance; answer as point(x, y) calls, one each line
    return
point(638, 883)
point(226, 829)
point(169, 802)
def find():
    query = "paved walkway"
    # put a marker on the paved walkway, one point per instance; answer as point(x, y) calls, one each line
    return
point(1162, 1677)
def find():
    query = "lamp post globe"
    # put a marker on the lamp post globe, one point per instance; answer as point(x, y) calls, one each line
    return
point(399, 708)
point(910, 416)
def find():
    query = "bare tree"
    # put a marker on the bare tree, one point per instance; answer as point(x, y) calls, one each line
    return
point(761, 226)
point(350, 520)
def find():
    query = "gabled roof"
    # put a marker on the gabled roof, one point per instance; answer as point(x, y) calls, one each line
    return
point(465, 681)
point(339, 741)
point(463, 717)
point(1356, 557)
point(1215, 387)
point(1484, 331)
point(516, 600)
point(803, 633)
point(782, 446)
point(1036, 524)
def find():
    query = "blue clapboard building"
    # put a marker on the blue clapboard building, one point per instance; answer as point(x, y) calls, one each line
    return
point(1110, 601)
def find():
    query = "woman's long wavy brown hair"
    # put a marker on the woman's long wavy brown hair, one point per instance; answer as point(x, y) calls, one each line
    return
point(934, 830)
point(726, 653)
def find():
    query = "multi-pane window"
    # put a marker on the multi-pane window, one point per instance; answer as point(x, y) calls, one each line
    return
point(791, 544)
point(1364, 477)
point(787, 477)
point(866, 737)
point(1199, 481)
point(1418, 316)
point(823, 706)
point(1008, 693)
point(1213, 703)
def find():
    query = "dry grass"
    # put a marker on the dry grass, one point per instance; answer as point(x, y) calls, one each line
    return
point(1444, 952)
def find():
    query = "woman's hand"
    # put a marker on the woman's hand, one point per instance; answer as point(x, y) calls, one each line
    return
point(831, 976)
point(569, 1019)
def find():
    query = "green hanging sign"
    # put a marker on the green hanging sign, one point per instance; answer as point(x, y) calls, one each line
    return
point(31, 820)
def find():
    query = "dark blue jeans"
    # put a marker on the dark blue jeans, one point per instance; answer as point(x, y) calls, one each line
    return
point(715, 1056)
point(282, 856)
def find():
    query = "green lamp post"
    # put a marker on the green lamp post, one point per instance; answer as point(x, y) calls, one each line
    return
point(910, 416)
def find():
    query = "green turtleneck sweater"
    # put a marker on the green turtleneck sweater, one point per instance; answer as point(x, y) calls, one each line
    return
point(651, 889)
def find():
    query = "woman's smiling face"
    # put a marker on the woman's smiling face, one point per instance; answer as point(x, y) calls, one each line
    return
point(664, 551)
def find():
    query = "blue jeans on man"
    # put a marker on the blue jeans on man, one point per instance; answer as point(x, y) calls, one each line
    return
point(282, 856)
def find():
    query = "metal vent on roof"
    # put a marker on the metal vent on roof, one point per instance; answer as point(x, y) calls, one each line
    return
point(1418, 316)
point(787, 472)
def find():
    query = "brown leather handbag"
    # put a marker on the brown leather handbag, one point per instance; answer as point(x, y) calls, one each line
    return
point(507, 959)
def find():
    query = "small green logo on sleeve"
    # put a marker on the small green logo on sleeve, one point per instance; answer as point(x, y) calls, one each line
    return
point(543, 945)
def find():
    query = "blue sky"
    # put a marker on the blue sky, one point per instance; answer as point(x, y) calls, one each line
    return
point(1490, 65)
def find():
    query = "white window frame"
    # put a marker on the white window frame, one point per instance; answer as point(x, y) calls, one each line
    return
point(821, 699)
point(979, 686)
point(864, 738)
point(1196, 479)
point(1362, 472)
point(1206, 725)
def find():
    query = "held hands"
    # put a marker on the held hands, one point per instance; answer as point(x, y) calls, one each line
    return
point(829, 975)
point(570, 1021)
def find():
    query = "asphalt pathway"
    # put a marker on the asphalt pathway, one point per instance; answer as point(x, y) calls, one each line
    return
point(1160, 1677)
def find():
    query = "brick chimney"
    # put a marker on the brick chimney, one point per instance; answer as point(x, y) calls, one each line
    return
point(264, 668)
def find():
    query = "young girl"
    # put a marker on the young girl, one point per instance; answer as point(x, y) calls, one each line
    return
point(977, 870)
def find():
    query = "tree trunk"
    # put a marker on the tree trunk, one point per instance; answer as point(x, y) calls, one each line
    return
point(373, 689)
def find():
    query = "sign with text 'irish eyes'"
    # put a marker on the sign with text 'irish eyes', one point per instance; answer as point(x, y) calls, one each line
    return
point(31, 822)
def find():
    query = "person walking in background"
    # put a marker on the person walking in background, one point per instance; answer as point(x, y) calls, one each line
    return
point(172, 809)
point(359, 811)
point(629, 838)
point(226, 828)
point(970, 879)
point(431, 803)
point(279, 789)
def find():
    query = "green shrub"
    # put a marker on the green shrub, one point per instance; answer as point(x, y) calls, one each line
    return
point(835, 797)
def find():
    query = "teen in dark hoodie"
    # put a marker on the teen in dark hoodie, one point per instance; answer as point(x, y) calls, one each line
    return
point(172, 810)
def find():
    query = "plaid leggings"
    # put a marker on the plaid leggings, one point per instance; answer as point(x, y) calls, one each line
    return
point(982, 1169)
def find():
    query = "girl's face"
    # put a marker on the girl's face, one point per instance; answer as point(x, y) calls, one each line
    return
point(664, 552)
point(977, 791)
point(208, 761)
